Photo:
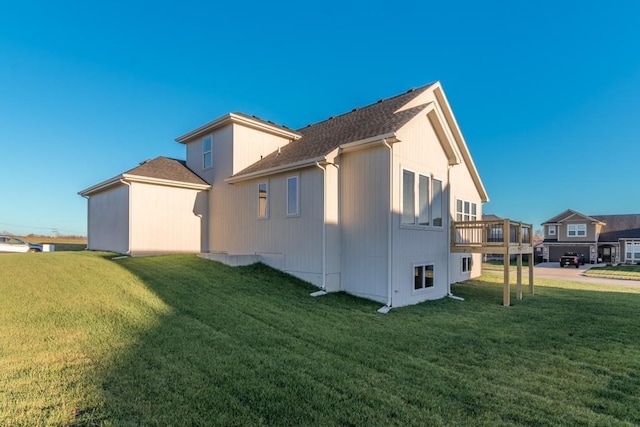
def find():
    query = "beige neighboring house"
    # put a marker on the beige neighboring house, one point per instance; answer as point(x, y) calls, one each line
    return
point(601, 238)
point(361, 202)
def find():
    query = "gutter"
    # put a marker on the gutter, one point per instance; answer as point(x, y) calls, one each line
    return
point(128, 184)
point(277, 169)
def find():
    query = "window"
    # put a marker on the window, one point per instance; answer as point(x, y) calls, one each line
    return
point(421, 200)
point(263, 200)
point(466, 211)
point(436, 203)
point(633, 251)
point(467, 263)
point(552, 230)
point(207, 143)
point(576, 230)
point(423, 277)
point(293, 207)
point(408, 197)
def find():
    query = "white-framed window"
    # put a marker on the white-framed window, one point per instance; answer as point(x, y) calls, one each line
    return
point(263, 200)
point(551, 230)
point(423, 276)
point(207, 150)
point(467, 263)
point(466, 211)
point(576, 230)
point(421, 200)
point(293, 196)
point(632, 249)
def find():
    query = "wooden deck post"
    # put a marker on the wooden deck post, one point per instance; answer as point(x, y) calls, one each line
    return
point(506, 292)
point(519, 278)
point(531, 273)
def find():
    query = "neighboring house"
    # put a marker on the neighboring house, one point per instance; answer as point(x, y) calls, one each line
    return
point(601, 238)
point(361, 202)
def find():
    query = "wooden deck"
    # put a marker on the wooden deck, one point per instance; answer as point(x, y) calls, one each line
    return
point(504, 237)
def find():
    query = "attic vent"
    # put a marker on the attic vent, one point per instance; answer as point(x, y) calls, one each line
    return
point(410, 90)
point(355, 109)
point(144, 161)
point(380, 100)
point(330, 118)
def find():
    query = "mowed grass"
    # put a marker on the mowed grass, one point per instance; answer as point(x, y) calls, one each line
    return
point(627, 272)
point(176, 340)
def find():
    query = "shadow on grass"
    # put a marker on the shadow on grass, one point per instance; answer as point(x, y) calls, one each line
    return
point(248, 346)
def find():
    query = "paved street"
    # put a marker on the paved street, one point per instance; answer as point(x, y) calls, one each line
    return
point(552, 270)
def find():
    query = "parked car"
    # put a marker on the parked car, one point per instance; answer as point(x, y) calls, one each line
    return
point(572, 258)
point(15, 244)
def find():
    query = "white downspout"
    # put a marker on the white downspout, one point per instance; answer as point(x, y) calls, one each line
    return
point(129, 215)
point(449, 294)
point(323, 290)
point(387, 307)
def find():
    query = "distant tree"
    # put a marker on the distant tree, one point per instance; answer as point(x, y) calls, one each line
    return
point(538, 236)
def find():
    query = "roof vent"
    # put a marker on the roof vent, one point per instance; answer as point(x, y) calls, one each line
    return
point(410, 90)
point(379, 101)
point(355, 109)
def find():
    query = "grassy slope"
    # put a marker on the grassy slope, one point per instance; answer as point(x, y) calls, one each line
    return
point(178, 340)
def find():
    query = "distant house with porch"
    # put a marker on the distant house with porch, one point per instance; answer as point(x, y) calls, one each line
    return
point(601, 238)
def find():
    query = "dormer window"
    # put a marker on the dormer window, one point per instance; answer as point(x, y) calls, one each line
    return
point(207, 160)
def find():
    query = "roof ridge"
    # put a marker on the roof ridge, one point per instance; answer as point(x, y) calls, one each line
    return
point(418, 91)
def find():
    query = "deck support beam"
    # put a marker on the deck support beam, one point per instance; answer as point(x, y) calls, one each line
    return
point(506, 291)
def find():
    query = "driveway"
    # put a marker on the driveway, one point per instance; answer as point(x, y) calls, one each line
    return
point(552, 270)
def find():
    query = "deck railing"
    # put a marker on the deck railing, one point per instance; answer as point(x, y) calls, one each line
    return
point(491, 233)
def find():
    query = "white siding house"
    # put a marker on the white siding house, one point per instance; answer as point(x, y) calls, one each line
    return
point(361, 202)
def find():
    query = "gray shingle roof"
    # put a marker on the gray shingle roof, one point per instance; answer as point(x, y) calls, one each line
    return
point(619, 227)
point(166, 168)
point(322, 138)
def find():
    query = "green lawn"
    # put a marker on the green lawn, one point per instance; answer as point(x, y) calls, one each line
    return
point(177, 340)
point(628, 272)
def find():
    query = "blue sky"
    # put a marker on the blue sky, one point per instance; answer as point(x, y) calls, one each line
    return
point(547, 94)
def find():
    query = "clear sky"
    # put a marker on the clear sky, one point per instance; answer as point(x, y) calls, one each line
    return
point(547, 93)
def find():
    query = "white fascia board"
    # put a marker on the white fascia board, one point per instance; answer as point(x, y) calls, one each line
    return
point(101, 186)
point(461, 143)
point(231, 118)
point(277, 169)
point(390, 138)
point(165, 182)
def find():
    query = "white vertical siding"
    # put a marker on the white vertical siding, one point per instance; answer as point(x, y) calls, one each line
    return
point(463, 187)
point(292, 244)
point(250, 145)
point(421, 152)
point(364, 219)
point(108, 220)
point(166, 219)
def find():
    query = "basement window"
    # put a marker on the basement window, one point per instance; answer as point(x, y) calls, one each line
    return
point(467, 263)
point(423, 276)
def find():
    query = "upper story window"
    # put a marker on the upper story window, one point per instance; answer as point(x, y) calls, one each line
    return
point(421, 200)
point(576, 230)
point(293, 196)
point(551, 230)
point(466, 211)
point(207, 159)
point(263, 200)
